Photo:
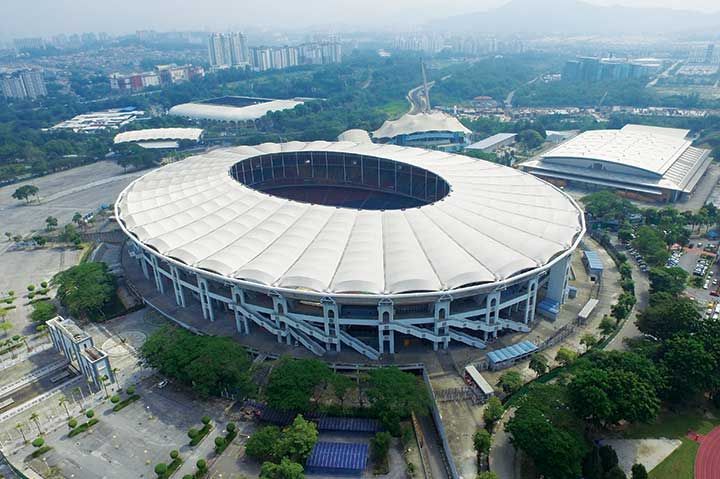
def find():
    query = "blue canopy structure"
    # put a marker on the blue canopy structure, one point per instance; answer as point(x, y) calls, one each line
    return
point(337, 458)
point(512, 353)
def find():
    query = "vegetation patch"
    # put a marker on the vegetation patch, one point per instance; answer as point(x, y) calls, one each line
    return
point(125, 402)
point(83, 427)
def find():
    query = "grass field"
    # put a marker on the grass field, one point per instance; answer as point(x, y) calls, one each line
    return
point(681, 463)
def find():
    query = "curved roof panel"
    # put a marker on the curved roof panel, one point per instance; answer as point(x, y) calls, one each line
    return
point(421, 122)
point(152, 134)
point(207, 111)
point(495, 223)
point(651, 149)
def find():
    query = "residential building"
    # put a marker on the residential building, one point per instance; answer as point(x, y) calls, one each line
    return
point(227, 50)
point(23, 84)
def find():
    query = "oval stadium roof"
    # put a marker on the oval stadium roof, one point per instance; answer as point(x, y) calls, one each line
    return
point(216, 112)
point(495, 223)
point(421, 122)
point(158, 134)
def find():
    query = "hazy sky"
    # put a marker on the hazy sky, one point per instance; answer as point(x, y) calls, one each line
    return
point(48, 17)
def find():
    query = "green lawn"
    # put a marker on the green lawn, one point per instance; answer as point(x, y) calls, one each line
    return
point(681, 463)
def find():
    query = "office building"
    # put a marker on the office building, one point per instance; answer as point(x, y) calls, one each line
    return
point(593, 69)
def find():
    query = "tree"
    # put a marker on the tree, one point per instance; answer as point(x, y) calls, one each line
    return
point(555, 451)
point(35, 417)
point(25, 192)
point(486, 475)
point(205, 420)
point(608, 396)
point(293, 381)
point(588, 340)
point(668, 280)
point(201, 465)
point(43, 311)
point(394, 395)
point(530, 138)
point(615, 473)
point(72, 423)
point(482, 441)
point(77, 218)
point(219, 442)
point(539, 364)
point(285, 470)
point(89, 413)
point(174, 454)
point(607, 325)
point(63, 402)
point(38, 442)
point(161, 469)
point(380, 445)
point(5, 326)
point(19, 427)
point(607, 206)
point(638, 472)
point(51, 223)
point(86, 289)
point(493, 412)
point(667, 316)
point(565, 356)
point(608, 457)
point(262, 444)
point(341, 384)
point(210, 365)
point(511, 381)
point(297, 440)
point(689, 368)
point(592, 465)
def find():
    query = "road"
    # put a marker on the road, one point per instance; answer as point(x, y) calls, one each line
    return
point(416, 97)
point(664, 74)
point(511, 95)
point(642, 293)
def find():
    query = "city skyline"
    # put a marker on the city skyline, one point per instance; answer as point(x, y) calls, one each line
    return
point(39, 17)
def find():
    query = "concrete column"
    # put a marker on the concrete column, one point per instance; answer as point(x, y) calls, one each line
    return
point(177, 287)
point(331, 317)
point(492, 306)
point(241, 321)
point(156, 274)
point(143, 265)
point(279, 315)
point(558, 280)
point(205, 301)
point(530, 301)
point(386, 314)
point(441, 313)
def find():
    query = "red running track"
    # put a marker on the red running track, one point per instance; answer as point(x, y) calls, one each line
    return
point(707, 461)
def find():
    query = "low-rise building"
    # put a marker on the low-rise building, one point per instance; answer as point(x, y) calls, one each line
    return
point(494, 142)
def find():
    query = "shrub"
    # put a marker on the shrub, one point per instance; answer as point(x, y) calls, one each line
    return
point(44, 284)
point(161, 469)
point(31, 295)
point(72, 423)
point(230, 427)
point(115, 399)
point(89, 413)
point(174, 454)
point(219, 441)
point(192, 433)
point(201, 464)
point(130, 390)
point(31, 287)
point(38, 442)
point(128, 400)
point(206, 420)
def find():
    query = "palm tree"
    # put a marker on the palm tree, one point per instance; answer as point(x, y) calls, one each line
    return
point(35, 418)
point(63, 402)
point(19, 427)
point(82, 398)
point(103, 379)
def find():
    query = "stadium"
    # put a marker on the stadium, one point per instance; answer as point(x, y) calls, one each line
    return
point(346, 245)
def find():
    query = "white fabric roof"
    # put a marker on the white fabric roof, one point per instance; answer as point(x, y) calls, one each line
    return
point(495, 223)
point(421, 122)
point(355, 135)
point(648, 148)
point(151, 134)
point(206, 111)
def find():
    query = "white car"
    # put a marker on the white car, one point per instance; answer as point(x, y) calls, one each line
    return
point(162, 384)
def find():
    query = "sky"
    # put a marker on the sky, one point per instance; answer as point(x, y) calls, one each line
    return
point(48, 17)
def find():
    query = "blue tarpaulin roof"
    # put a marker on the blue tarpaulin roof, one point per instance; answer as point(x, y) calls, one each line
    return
point(338, 455)
point(350, 424)
point(509, 353)
point(593, 260)
point(549, 305)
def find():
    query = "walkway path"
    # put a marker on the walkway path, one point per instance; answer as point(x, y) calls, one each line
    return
point(503, 457)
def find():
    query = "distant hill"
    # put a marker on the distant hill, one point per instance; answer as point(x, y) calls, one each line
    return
point(574, 17)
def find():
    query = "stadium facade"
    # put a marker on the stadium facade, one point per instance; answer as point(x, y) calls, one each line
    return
point(347, 245)
point(432, 129)
point(647, 163)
